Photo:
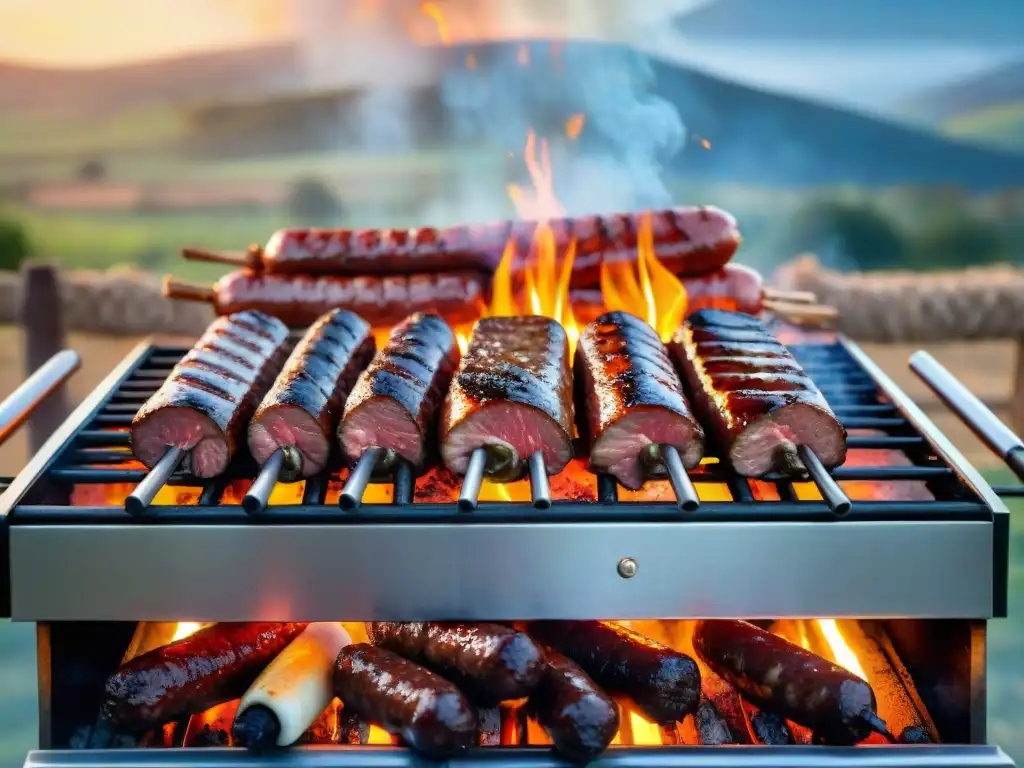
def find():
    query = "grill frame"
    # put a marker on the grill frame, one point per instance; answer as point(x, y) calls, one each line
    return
point(945, 559)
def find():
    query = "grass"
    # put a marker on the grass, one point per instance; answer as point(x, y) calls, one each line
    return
point(1000, 126)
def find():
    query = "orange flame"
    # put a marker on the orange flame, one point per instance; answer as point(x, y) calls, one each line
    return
point(186, 628)
point(650, 290)
point(574, 126)
point(433, 12)
point(843, 654)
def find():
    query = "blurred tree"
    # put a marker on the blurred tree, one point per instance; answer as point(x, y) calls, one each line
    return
point(845, 236)
point(92, 171)
point(14, 245)
point(961, 241)
point(312, 203)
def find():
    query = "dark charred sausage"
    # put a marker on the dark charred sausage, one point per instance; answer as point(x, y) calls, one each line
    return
point(512, 396)
point(298, 300)
point(396, 401)
point(579, 717)
point(631, 400)
point(205, 404)
point(688, 241)
point(749, 390)
point(712, 728)
point(733, 287)
point(214, 665)
point(302, 409)
point(663, 683)
point(778, 675)
point(489, 662)
point(428, 712)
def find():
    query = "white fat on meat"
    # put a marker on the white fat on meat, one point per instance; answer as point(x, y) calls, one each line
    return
point(299, 684)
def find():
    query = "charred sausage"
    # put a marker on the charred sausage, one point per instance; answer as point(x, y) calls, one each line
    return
point(753, 395)
point(490, 662)
point(663, 683)
point(512, 396)
point(396, 401)
point(712, 729)
point(214, 665)
point(632, 401)
point(301, 411)
point(205, 404)
point(428, 712)
point(778, 675)
point(579, 717)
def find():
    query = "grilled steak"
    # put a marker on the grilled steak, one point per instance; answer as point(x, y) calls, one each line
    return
point(207, 400)
point(512, 395)
point(394, 404)
point(754, 396)
point(305, 403)
point(632, 400)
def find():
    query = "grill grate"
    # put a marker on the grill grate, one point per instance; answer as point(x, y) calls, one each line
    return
point(100, 440)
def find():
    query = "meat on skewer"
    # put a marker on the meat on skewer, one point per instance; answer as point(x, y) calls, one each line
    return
point(298, 300)
point(299, 414)
point(753, 395)
point(510, 401)
point(637, 417)
point(687, 241)
point(204, 405)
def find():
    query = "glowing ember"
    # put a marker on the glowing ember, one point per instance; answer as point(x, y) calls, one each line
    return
point(574, 126)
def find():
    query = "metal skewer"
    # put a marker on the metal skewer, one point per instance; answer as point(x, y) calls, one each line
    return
point(471, 482)
point(539, 486)
point(144, 493)
point(19, 405)
point(829, 489)
point(686, 494)
point(255, 500)
point(352, 494)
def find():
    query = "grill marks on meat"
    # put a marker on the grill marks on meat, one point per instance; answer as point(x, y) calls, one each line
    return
point(632, 399)
point(212, 666)
point(430, 714)
point(490, 662)
point(754, 396)
point(512, 392)
point(394, 404)
point(304, 405)
point(204, 405)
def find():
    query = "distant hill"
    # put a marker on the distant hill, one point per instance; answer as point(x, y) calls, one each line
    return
point(979, 21)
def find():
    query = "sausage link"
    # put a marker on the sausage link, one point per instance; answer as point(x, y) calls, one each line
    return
point(428, 712)
point(489, 662)
point(663, 683)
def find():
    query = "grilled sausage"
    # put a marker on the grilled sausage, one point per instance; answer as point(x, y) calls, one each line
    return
point(579, 717)
point(688, 241)
point(778, 675)
point(214, 665)
point(302, 409)
point(395, 403)
point(205, 403)
point(490, 662)
point(733, 287)
point(632, 401)
point(428, 712)
point(754, 396)
point(512, 395)
point(663, 683)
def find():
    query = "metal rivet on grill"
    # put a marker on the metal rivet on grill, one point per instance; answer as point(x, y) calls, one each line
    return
point(627, 567)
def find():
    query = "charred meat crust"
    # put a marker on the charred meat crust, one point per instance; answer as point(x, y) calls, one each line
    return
point(429, 713)
point(214, 665)
point(491, 663)
point(663, 683)
point(782, 677)
point(413, 370)
point(221, 379)
point(750, 392)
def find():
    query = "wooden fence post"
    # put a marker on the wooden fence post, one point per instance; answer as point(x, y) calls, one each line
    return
point(42, 324)
point(1017, 391)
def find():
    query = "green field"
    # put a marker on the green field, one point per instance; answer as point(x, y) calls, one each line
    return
point(1000, 126)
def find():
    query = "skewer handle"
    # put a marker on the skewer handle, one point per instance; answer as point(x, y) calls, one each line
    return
point(255, 500)
point(175, 289)
point(352, 494)
point(539, 486)
point(686, 494)
point(139, 500)
point(804, 312)
point(829, 489)
point(789, 297)
point(1002, 440)
point(250, 258)
point(471, 483)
